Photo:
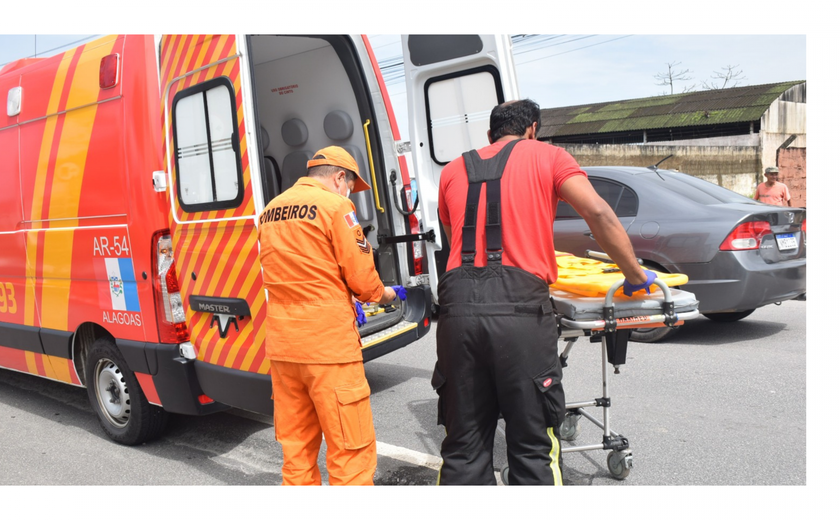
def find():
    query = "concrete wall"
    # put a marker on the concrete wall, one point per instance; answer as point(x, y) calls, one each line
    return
point(734, 167)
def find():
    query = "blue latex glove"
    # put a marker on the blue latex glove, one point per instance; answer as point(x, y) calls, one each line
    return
point(630, 288)
point(361, 318)
point(400, 290)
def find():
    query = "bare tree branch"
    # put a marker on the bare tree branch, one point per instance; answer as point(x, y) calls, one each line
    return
point(729, 75)
point(670, 77)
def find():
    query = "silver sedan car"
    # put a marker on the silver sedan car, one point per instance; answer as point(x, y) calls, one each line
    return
point(739, 254)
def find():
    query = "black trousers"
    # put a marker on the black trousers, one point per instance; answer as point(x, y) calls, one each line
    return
point(497, 352)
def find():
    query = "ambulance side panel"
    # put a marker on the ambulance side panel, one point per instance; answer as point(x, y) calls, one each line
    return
point(18, 346)
point(61, 104)
point(76, 244)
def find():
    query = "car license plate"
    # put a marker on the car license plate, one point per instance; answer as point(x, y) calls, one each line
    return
point(786, 241)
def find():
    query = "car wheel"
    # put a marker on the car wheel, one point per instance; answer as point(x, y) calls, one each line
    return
point(728, 317)
point(652, 335)
point(113, 390)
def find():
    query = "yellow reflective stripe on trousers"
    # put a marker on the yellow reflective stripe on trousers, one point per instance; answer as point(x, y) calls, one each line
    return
point(441, 463)
point(555, 457)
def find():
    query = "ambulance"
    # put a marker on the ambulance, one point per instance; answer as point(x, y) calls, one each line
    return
point(134, 169)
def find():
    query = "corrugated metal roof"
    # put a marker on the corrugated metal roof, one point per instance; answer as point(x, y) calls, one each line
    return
point(707, 107)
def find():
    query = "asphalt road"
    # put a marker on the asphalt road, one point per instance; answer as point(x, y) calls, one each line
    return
point(717, 405)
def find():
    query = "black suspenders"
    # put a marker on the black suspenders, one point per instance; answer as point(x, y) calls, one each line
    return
point(484, 171)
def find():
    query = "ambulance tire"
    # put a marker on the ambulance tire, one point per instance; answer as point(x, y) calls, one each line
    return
point(115, 394)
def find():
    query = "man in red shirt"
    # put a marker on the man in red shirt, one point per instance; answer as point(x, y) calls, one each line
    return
point(496, 335)
point(772, 192)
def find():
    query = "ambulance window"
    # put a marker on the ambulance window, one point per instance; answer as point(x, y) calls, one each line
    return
point(458, 111)
point(207, 164)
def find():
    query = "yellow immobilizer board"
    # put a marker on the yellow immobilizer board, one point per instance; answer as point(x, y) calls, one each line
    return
point(590, 277)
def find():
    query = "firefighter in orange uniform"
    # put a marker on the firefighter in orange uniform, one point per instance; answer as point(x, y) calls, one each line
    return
point(316, 260)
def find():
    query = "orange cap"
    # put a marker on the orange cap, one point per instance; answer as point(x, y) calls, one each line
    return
point(338, 156)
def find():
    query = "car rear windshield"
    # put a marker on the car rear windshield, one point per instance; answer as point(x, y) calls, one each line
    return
point(698, 190)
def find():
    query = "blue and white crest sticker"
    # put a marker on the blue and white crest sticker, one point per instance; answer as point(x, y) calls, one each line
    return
point(351, 219)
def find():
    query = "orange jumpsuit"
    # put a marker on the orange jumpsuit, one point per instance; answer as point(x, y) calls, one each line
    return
point(315, 257)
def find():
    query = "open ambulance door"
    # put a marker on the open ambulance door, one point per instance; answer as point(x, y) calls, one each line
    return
point(214, 193)
point(452, 82)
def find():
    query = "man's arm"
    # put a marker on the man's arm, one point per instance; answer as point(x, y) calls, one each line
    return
point(605, 227)
point(353, 253)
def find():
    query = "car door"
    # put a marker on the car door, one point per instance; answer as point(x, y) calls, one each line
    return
point(572, 233)
point(212, 195)
point(452, 84)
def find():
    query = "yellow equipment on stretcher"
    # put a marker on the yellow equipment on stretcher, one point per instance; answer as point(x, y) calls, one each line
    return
point(590, 277)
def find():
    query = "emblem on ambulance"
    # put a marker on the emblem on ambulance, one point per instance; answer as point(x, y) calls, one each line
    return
point(116, 286)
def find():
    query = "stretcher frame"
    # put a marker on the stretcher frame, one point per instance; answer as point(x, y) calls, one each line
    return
point(613, 351)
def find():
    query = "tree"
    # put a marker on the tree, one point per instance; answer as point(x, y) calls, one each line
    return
point(729, 76)
point(668, 79)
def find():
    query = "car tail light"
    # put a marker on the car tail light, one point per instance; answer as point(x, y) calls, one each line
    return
point(803, 226)
point(746, 236)
point(108, 67)
point(172, 326)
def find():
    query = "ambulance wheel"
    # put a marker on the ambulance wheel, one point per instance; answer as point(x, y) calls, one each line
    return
point(619, 464)
point(652, 335)
point(569, 429)
point(505, 474)
point(113, 390)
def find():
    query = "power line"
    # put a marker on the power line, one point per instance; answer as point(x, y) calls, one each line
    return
point(573, 50)
point(392, 68)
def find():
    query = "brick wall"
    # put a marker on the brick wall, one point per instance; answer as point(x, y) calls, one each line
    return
point(791, 163)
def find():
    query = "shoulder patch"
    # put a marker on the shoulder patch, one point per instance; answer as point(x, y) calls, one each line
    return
point(351, 219)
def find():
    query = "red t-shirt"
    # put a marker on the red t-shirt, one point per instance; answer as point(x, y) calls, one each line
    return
point(531, 183)
point(778, 194)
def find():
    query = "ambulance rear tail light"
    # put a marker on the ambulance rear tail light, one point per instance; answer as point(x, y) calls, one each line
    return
point(172, 319)
point(417, 246)
point(746, 236)
point(108, 68)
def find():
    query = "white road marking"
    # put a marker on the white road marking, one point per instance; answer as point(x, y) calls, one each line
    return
point(384, 449)
point(410, 456)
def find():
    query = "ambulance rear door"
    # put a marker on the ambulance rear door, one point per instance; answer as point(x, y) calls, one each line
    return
point(452, 82)
point(214, 194)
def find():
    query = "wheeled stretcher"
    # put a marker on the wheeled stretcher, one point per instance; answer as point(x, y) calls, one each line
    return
point(609, 320)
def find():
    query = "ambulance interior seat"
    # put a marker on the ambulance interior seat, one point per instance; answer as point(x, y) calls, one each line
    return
point(272, 170)
point(295, 134)
point(338, 125)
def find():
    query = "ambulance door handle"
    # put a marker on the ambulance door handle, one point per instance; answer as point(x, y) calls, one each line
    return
point(159, 181)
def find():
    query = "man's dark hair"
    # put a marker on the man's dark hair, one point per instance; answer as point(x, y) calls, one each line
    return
point(513, 118)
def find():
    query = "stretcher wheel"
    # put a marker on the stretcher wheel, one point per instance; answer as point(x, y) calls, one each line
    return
point(505, 474)
point(619, 464)
point(569, 429)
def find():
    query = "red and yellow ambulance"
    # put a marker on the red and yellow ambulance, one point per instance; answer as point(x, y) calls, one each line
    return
point(133, 172)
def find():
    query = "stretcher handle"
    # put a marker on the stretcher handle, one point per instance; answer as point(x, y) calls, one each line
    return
point(619, 284)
